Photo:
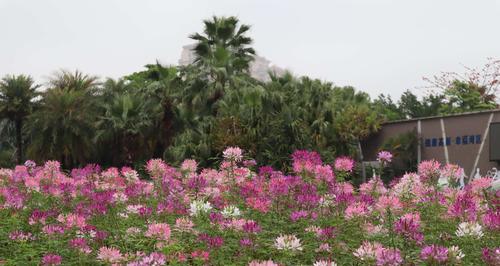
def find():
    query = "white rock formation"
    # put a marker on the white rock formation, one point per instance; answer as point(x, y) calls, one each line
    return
point(259, 68)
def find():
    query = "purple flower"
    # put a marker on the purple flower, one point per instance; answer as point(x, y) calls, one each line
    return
point(251, 227)
point(212, 241)
point(434, 253)
point(384, 157)
point(246, 242)
point(297, 215)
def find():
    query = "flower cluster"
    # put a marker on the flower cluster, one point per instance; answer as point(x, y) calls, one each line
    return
point(314, 214)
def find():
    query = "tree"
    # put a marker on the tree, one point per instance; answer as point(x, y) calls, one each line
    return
point(390, 110)
point(126, 124)
point(17, 100)
point(64, 79)
point(63, 126)
point(475, 89)
point(466, 97)
point(223, 49)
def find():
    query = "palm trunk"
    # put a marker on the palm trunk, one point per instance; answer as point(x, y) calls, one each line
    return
point(19, 140)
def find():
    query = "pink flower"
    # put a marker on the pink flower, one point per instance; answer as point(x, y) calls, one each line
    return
point(259, 204)
point(453, 173)
point(429, 171)
point(160, 231)
point(156, 168)
point(183, 224)
point(480, 184)
point(21, 236)
point(189, 166)
point(72, 220)
point(384, 157)
point(375, 185)
point(201, 255)
point(52, 229)
point(111, 255)
point(153, 259)
point(357, 209)
point(51, 259)
point(80, 244)
point(324, 173)
point(344, 164)
point(390, 203)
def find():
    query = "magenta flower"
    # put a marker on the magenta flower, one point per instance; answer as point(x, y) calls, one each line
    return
point(491, 256)
point(408, 226)
point(251, 227)
point(51, 259)
point(246, 242)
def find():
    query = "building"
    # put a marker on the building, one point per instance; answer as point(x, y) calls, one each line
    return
point(471, 140)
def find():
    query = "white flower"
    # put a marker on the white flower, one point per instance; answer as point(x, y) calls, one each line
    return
point(131, 175)
point(120, 197)
point(326, 201)
point(470, 229)
point(231, 211)
point(123, 215)
point(232, 154)
point(324, 263)
point(367, 251)
point(455, 253)
point(197, 207)
point(288, 242)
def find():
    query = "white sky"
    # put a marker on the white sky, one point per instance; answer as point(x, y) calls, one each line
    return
point(379, 46)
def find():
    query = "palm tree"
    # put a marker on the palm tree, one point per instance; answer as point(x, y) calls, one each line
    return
point(64, 79)
point(223, 49)
point(126, 124)
point(17, 94)
point(63, 127)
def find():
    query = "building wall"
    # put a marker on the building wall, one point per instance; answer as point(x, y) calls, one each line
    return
point(463, 137)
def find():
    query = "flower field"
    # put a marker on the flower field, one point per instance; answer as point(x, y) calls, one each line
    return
point(241, 214)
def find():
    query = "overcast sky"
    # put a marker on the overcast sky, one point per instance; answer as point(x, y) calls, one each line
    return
point(379, 46)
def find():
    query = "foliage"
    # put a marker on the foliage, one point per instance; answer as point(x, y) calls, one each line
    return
point(195, 111)
point(17, 96)
point(404, 147)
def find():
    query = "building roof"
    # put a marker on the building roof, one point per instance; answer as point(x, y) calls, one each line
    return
point(441, 116)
